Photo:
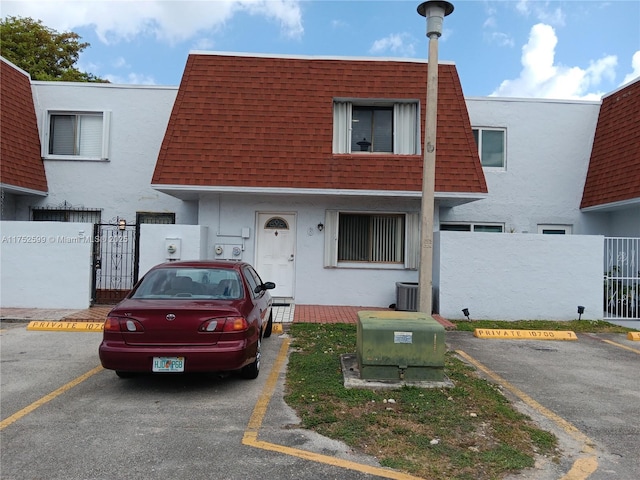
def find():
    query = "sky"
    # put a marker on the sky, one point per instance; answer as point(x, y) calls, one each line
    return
point(572, 49)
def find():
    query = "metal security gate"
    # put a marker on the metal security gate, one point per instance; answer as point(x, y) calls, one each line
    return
point(115, 261)
point(622, 278)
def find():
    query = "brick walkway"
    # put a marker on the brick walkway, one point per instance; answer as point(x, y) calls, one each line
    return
point(301, 314)
point(328, 313)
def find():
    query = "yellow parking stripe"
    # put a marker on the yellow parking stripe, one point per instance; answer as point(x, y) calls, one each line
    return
point(621, 346)
point(47, 398)
point(250, 437)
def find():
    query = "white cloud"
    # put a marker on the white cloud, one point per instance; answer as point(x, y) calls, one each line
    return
point(502, 39)
point(130, 78)
point(397, 43)
point(541, 77)
point(542, 12)
point(635, 65)
point(167, 20)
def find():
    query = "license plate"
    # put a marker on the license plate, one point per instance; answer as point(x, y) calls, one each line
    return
point(168, 364)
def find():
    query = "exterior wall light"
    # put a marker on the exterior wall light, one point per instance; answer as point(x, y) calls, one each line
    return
point(320, 227)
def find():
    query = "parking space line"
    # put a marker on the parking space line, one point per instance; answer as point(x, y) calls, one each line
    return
point(619, 345)
point(611, 342)
point(582, 467)
point(47, 398)
point(250, 437)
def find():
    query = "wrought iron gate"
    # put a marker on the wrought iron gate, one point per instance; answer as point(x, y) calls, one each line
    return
point(622, 278)
point(115, 261)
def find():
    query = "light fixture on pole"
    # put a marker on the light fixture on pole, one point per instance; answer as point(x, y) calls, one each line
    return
point(434, 11)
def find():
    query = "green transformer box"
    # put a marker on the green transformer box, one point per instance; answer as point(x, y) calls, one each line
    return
point(400, 346)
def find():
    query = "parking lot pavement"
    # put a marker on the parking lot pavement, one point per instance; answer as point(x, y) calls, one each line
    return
point(586, 391)
point(64, 417)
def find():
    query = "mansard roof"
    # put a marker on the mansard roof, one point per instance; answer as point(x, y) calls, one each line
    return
point(242, 121)
point(21, 168)
point(613, 177)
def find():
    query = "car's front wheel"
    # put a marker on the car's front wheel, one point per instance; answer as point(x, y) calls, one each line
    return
point(252, 370)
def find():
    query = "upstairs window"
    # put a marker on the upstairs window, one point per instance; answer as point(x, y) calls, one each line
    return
point(77, 136)
point(491, 147)
point(376, 127)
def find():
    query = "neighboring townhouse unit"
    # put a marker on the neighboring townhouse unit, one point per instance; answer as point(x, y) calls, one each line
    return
point(22, 174)
point(318, 161)
point(310, 168)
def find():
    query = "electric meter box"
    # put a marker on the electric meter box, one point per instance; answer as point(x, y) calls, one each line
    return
point(407, 346)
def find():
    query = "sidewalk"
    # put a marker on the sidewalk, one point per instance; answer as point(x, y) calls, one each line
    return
point(281, 314)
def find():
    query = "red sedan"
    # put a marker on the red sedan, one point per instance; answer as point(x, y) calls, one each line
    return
point(199, 316)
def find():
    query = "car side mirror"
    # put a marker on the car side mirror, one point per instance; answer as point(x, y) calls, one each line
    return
point(264, 286)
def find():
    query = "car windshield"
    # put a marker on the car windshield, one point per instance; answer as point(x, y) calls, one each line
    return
point(202, 283)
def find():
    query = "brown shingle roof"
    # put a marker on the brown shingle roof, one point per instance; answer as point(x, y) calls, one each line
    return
point(614, 168)
point(243, 121)
point(21, 164)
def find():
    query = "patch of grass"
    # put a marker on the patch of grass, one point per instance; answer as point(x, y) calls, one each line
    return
point(589, 326)
point(469, 431)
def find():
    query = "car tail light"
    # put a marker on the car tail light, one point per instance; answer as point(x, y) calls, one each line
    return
point(224, 324)
point(116, 324)
point(235, 324)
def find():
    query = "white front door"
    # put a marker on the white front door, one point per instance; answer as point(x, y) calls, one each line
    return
point(275, 257)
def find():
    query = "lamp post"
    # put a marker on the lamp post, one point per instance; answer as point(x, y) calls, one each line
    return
point(434, 11)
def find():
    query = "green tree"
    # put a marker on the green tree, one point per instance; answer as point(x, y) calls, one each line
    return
point(42, 51)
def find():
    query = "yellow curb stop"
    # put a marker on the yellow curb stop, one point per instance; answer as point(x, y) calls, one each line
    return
point(634, 336)
point(502, 334)
point(65, 326)
point(277, 328)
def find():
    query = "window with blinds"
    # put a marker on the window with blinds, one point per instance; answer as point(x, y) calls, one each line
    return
point(371, 238)
point(386, 127)
point(77, 135)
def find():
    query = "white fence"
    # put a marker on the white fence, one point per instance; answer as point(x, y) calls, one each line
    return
point(622, 278)
point(45, 264)
point(519, 276)
point(495, 276)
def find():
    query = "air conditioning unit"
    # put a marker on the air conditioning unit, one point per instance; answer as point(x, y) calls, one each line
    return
point(407, 296)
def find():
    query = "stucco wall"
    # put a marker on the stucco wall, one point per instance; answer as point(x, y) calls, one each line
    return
point(120, 186)
point(548, 150)
point(516, 277)
point(45, 264)
point(191, 241)
point(314, 284)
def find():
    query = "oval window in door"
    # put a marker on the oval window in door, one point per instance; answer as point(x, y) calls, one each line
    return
point(275, 223)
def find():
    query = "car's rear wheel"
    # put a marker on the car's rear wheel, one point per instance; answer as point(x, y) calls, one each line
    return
point(252, 370)
point(269, 328)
